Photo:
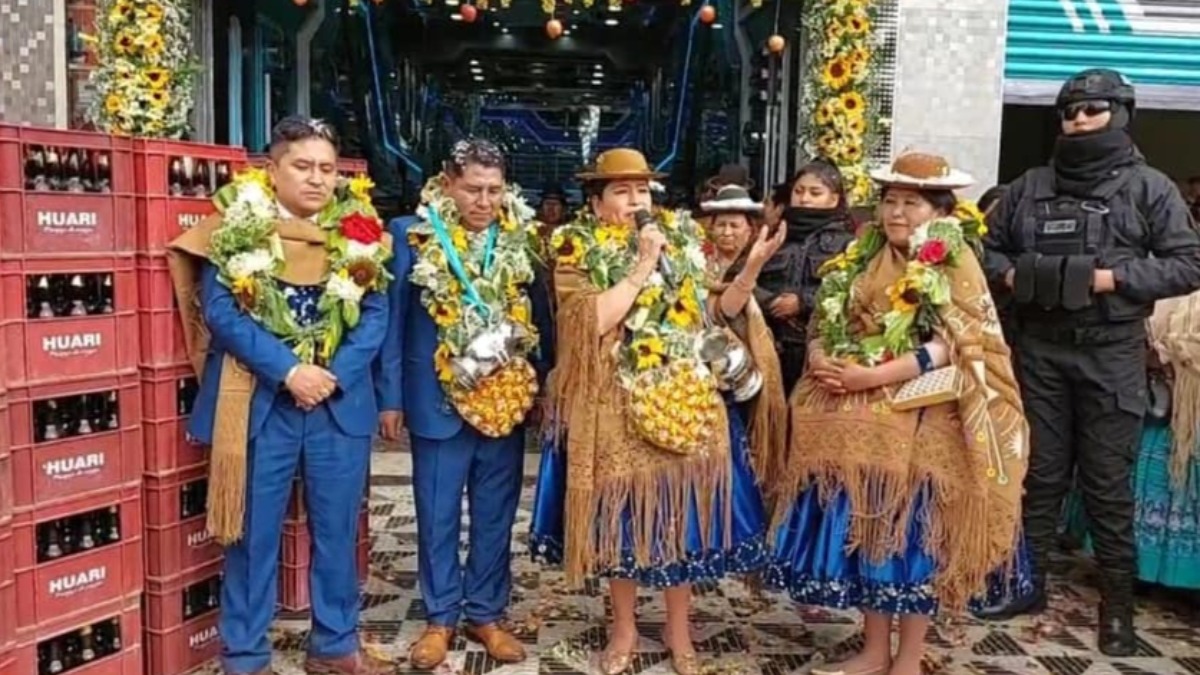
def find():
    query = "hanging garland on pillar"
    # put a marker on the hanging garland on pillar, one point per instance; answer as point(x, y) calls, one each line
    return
point(143, 82)
point(842, 127)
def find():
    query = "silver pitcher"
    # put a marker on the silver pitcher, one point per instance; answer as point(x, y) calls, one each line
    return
point(730, 362)
point(487, 352)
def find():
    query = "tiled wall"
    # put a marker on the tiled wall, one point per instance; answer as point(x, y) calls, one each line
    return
point(30, 32)
point(950, 82)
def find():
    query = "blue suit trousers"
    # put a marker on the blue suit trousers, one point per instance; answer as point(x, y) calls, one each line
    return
point(334, 469)
point(490, 471)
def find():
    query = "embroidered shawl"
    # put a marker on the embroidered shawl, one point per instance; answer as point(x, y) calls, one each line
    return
point(966, 457)
point(610, 469)
point(307, 264)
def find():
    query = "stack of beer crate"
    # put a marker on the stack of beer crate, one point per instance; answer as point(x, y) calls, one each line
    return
point(175, 183)
point(72, 543)
point(8, 584)
point(295, 559)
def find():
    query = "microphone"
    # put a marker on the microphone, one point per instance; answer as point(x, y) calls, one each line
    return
point(643, 218)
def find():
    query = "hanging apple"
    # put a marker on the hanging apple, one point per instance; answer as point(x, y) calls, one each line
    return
point(469, 13)
point(554, 29)
point(708, 14)
point(776, 44)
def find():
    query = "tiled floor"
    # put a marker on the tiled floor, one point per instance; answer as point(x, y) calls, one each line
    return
point(736, 630)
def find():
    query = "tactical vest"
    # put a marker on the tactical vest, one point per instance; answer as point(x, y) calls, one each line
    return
point(1072, 237)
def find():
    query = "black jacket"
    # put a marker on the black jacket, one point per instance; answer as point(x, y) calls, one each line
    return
point(793, 269)
point(1149, 224)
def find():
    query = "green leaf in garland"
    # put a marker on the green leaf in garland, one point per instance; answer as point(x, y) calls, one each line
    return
point(351, 313)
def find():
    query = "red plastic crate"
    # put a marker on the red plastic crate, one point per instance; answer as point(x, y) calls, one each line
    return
point(8, 588)
point(41, 223)
point(293, 580)
point(182, 649)
point(167, 447)
point(296, 549)
point(6, 485)
point(51, 350)
point(13, 138)
point(172, 549)
point(8, 624)
point(21, 400)
point(66, 469)
point(163, 495)
point(164, 597)
point(155, 288)
point(126, 662)
point(15, 274)
point(80, 581)
point(162, 342)
point(161, 219)
point(152, 162)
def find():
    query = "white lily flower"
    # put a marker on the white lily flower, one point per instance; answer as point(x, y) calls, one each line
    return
point(250, 263)
point(344, 288)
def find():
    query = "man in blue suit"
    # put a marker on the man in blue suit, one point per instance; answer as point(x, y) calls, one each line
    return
point(463, 210)
point(273, 399)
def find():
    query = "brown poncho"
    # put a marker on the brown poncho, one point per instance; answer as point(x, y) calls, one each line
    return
point(307, 264)
point(970, 454)
point(609, 468)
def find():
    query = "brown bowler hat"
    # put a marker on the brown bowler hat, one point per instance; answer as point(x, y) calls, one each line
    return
point(922, 171)
point(621, 164)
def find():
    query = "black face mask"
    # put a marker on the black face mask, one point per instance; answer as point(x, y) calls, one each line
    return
point(803, 221)
point(1084, 161)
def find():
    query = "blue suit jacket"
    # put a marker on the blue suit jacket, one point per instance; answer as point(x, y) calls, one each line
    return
point(234, 332)
point(406, 380)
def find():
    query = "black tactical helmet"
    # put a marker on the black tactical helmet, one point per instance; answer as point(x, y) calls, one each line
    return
point(1097, 84)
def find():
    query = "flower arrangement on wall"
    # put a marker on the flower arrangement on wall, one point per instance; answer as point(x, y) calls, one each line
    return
point(841, 124)
point(143, 82)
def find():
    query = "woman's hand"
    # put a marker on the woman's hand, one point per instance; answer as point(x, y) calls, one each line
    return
point(765, 245)
point(651, 242)
point(841, 377)
point(786, 306)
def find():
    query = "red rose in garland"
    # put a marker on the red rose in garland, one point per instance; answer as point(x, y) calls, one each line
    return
point(361, 228)
point(933, 252)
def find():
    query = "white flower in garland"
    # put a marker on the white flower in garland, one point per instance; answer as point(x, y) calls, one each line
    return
point(250, 263)
point(343, 288)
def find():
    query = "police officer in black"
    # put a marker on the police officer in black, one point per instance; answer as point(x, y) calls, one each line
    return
point(1082, 249)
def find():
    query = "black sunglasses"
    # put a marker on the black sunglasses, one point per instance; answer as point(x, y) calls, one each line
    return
point(1089, 108)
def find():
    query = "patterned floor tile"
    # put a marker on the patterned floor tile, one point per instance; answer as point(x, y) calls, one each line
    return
point(737, 630)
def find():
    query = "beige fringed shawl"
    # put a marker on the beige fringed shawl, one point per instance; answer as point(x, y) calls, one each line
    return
point(1174, 332)
point(969, 456)
point(307, 264)
point(610, 469)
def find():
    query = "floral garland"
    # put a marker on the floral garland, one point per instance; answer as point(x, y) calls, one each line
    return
point(843, 127)
point(248, 254)
point(665, 318)
point(502, 290)
point(914, 298)
point(144, 79)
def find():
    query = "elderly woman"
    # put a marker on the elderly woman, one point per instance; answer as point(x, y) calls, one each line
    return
point(903, 499)
point(654, 483)
point(732, 219)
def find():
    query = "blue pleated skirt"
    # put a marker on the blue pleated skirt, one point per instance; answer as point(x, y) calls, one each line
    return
point(706, 560)
point(811, 563)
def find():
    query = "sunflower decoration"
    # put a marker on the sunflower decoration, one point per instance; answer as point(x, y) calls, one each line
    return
point(147, 68)
point(841, 40)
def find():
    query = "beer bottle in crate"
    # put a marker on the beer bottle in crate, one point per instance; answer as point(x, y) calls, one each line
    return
point(113, 411)
point(74, 171)
point(86, 541)
point(83, 405)
point(106, 295)
point(54, 168)
point(35, 168)
point(87, 645)
point(52, 663)
point(103, 179)
point(78, 296)
point(39, 294)
point(114, 524)
point(49, 422)
point(203, 182)
point(48, 544)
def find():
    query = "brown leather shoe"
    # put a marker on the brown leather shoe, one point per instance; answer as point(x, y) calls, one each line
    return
point(429, 651)
point(499, 643)
point(358, 663)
